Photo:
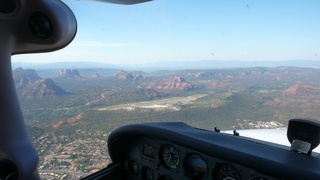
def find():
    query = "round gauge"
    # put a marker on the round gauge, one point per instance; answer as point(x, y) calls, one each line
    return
point(196, 167)
point(226, 171)
point(169, 156)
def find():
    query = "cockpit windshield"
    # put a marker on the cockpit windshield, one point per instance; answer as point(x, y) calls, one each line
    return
point(227, 65)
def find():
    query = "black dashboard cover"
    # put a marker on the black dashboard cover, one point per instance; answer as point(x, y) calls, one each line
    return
point(272, 159)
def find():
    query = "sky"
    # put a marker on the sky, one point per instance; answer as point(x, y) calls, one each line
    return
point(185, 30)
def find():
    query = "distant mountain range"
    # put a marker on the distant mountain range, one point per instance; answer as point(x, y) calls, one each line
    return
point(204, 64)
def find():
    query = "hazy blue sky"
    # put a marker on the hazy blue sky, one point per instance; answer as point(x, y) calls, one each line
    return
point(185, 30)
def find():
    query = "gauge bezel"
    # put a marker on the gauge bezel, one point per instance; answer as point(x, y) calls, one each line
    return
point(167, 164)
point(188, 159)
point(222, 166)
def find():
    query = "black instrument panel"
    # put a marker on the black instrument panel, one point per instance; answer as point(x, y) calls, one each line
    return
point(152, 158)
point(166, 151)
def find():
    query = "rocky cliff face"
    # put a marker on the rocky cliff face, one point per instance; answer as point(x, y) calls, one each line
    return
point(133, 77)
point(176, 83)
point(29, 85)
point(22, 84)
point(29, 75)
point(96, 76)
point(69, 73)
point(301, 89)
point(42, 88)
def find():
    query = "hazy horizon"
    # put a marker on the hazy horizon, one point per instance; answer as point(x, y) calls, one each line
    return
point(163, 30)
point(201, 64)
